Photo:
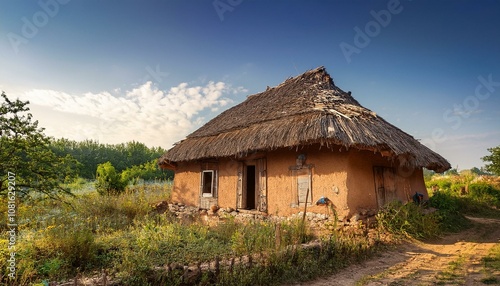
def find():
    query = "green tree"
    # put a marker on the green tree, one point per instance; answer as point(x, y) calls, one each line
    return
point(451, 172)
point(91, 153)
point(494, 160)
point(25, 152)
point(108, 181)
point(479, 172)
point(146, 171)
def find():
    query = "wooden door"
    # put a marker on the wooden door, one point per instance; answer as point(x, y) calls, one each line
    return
point(241, 200)
point(262, 184)
point(385, 185)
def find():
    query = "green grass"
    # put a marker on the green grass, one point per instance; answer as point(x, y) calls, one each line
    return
point(454, 273)
point(491, 266)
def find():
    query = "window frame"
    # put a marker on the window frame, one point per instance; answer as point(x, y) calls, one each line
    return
point(302, 174)
point(210, 194)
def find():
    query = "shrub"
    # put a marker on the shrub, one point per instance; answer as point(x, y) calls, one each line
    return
point(108, 181)
point(441, 183)
point(485, 193)
point(448, 206)
point(458, 188)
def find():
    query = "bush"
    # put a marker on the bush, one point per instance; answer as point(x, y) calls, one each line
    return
point(458, 188)
point(442, 184)
point(485, 193)
point(108, 181)
point(448, 206)
point(148, 171)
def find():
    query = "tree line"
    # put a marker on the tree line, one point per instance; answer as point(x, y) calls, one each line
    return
point(135, 157)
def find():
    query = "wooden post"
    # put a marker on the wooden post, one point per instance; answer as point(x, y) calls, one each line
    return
point(217, 266)
point(304, 216)
point(231, 266)
point(278, 236)
point(305, 206)
point(104, 278)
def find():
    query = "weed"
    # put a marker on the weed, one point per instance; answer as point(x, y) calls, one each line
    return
point(408, 220)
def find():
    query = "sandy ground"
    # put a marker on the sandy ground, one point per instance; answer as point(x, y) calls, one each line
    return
point(452, 260)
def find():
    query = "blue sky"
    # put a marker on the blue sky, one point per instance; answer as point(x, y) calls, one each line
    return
point(154, 71)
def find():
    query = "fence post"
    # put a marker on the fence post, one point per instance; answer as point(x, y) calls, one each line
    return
point(104, 278)
point(75, 282)
point(231, 265)
point(278, 236)
point(217, 266)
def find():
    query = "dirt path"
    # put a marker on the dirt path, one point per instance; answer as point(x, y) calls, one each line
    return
point(452, 260)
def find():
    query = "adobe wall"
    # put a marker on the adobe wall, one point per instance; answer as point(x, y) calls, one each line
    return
point(186, 188)
point(228, 181)
point(361, 181)
point(345, 177)
point(328, 180)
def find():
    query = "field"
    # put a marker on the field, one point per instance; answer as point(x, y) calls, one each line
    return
point(124, 240)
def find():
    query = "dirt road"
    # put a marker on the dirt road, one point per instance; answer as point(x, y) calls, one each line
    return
point(452, 260)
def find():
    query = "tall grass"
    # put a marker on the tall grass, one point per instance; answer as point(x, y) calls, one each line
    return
point(89, 232)
point(57, 240)
point(409, 220)
point(451, 198)
point(465, 194)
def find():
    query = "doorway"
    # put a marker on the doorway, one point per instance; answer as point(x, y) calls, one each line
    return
point(250, 187)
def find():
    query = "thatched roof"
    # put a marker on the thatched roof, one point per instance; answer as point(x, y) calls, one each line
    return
point(304, 110)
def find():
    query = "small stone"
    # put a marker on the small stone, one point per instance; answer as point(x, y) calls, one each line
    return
point(354, 218)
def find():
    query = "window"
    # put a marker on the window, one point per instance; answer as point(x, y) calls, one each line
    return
point(301, 185)
point(304, 191)
point(207, 183)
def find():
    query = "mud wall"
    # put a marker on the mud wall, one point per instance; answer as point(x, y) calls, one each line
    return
point(346, 177)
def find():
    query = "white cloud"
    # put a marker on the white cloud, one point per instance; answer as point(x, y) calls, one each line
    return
point(145, 113)
point(466, 149)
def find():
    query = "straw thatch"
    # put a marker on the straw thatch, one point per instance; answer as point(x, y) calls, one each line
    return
point(304, 110)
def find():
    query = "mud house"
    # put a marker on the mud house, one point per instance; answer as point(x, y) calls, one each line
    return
point(293, 144)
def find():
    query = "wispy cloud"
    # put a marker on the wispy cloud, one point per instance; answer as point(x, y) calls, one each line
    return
point(465, 113)
point(468, 148)
point(147, 114)
point(473, 136)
